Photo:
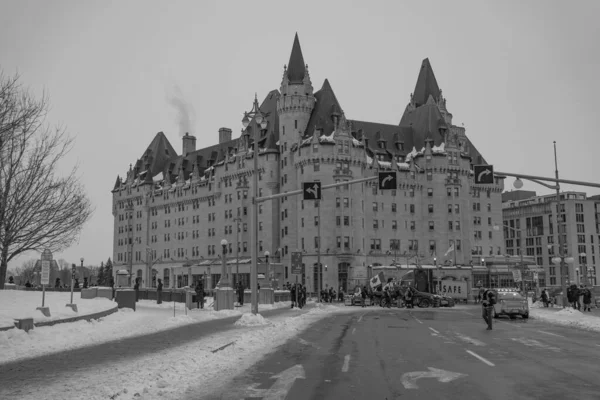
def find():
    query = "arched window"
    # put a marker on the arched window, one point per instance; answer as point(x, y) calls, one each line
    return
point(166, 277)
point(154, 273)
point(343, 275)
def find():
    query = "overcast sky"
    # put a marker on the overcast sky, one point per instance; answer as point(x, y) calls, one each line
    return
point(518, 74)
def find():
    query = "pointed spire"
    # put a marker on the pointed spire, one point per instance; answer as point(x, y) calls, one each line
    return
point(426, 85)
point(296, 68)
point(117, 183)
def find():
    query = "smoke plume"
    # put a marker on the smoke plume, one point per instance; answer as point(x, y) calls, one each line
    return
point(185, 112)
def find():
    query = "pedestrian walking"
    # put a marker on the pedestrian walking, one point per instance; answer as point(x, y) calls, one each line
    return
point(363, 295)
point(200, 294)
point(159, 288)
point(487, 307)
point(293, 295)
point(587, 299)
point(240, 293)
point(136, 287)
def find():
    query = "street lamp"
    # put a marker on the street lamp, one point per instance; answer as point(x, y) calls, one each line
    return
point(259, 123)
point(267, 254)
point(562, 261)
point(237, 221)
point(224, 291)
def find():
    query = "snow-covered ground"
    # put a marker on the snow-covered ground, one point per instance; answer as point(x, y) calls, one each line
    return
point(171, 373)
point(566, 317)
point(22, 304)
point(149, 317)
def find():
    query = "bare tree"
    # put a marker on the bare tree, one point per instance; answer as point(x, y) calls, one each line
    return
point(26, 272)
point(39, 209)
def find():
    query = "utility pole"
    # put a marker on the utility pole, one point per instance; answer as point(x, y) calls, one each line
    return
point(560, 244)
point(319, 251)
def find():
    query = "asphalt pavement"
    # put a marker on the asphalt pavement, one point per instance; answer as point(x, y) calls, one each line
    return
point(378, 353)
point(38, 371)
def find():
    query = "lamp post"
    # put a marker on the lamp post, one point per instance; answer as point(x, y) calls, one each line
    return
point(563, 260)
point(237, 249)
point(224, 291)
point(259, 123)
point(267, 254)
point(320, 269)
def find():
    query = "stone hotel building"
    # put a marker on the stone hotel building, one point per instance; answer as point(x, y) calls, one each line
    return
point(171, 210)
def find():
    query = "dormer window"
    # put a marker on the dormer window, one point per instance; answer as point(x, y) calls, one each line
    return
point(400, 146)
point(380, 157)
point(315, 147)
point(381, 144)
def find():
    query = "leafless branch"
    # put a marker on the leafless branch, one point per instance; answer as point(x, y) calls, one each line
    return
point(39, 209)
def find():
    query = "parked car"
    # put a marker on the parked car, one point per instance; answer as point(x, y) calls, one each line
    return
point(425, 300)
point(510, 302)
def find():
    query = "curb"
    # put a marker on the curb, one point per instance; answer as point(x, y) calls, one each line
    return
point(87, 317)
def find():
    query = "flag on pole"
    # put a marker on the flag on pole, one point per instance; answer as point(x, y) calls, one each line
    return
point(450, 250)
point(377, 280)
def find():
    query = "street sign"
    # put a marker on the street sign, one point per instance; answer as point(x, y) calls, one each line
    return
point(484, 174)
point(517, 275)
point(45, 272)
point(296, 263)
point(387, 180)
point(312, 190)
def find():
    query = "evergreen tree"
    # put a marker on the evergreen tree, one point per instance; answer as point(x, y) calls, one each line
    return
point(108, 271)
point(100, 277)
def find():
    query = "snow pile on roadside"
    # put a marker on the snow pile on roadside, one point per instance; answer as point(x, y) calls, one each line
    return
point(23, 304)
point(567, 317)
point(250, 319)
point(17, 344)
point(192, 370)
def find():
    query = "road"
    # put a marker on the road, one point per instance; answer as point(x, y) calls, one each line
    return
point(38, 372)
point(426, 354)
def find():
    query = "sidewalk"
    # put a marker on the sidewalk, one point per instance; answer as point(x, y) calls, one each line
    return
point(53, 366)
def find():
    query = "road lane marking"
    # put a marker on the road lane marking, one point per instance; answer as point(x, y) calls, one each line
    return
point(535, 343)
point(434, 330)
point(409, 379)
point(416, 319)
point(491, 364)
point(353, 330)
point(469, 340)
point(361, 317)
point(346, 365)
point(551, 334)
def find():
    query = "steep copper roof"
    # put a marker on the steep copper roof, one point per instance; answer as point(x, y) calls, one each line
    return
point(426, 84)
point(327, 105)
point(158, 153)
point(425, 121)
point(390, 135)
point(296, 69)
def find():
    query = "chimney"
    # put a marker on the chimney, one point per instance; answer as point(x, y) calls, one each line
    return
point(224, 135)
point(189, 144)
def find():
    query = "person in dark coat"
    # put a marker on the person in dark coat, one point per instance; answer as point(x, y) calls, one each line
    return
point(200, 294)
point(545, 298)
point(85, 283)
point(240, 293)
point(136, 287)
point(487, 307)
point(363, 294)
point(111, 283)
point(587, 299)
point(293, 295)
point(159, 288)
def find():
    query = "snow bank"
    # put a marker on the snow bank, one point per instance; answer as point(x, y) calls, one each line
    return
point(567, 317)
point(23, 304)
point(214, 360)
point(250, 319)
point(149, 317)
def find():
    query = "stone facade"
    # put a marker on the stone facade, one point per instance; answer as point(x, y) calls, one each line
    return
point(171, 213)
